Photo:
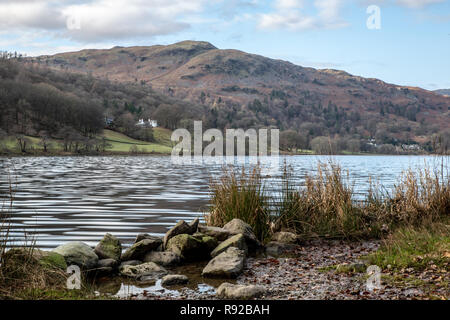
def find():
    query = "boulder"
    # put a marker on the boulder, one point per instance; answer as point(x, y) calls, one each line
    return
point(219, 233)
point(187, 247)
point(181, 228)
point(174, 279)
point(228, 264)
point(109, 248)
point(285, 237)
point(276, 249)
point(165, 258)
point(48, 259)
point(143, 236)
point(236, 292)
point(147, 270)
point(237, 241)
point(130, 263)
point(78, 253)
point(237, 226)
point(108, 263)
point(209, 243)
point(138, 250)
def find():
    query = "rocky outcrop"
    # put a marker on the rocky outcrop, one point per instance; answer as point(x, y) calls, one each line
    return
point(237, 226)
point(235, 291)
point(109, 248)
point(147, 270)
point(219, 233)
point(130, 263)
point(174, 279)
point(138, 250)
point(181, 228)
point(143, 236)
point(78, 253)
point(228, 264)
point(237, 241)
point(165, 258)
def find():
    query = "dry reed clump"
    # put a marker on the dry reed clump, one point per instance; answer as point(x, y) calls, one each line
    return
point(325, 206)
point(241, 196)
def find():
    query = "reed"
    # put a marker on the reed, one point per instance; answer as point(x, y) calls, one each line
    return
point(326, 205)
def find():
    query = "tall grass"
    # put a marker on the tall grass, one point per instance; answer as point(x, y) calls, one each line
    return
point(241, 196)
point(326, 205)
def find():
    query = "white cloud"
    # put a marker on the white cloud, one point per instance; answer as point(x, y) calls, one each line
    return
point(99, 20)
point(418, 3)
point(290, 14)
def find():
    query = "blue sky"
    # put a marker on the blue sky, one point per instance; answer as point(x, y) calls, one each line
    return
point(412, 47)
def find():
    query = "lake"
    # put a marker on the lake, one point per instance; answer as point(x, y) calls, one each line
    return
point(61, 199)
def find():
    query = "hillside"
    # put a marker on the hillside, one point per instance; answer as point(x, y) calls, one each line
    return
point(444, 92)
point(247, 90)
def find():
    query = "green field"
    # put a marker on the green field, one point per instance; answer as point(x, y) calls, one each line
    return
point(118, 143)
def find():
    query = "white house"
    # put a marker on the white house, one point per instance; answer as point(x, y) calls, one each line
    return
point(149, 123)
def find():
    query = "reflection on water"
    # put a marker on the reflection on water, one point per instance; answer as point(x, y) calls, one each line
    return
point(60, 199)
point(125, 288)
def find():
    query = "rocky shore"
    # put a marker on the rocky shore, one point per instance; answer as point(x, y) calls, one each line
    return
point(194, 261)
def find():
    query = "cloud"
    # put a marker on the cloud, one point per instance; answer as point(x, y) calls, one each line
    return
point(98, 20)
point(291, 15)
point(418, 3)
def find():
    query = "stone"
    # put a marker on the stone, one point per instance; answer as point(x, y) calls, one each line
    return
point(130, 263)
point(285, 237)
point(236, 292)
point(181, 228)
point(78, 253)
point(237, 226)
point(48, 259)
point(228, 264)
point(166, 258)
point(187, 247)
point(174, 279)
point(143, 236)
point(108, 263)
point(147, 270)
point(237, 241)
point(276, 249)
point(219, 233)
point(138, 250)
point(209, 243)
point(109, 248)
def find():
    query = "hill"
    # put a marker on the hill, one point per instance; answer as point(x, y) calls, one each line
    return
point(247, 90)
point(444, 92)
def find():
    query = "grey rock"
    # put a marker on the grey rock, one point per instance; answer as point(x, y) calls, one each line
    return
point(228, 264)
point(219, 233)
point(78, 253)
point(109, 248)
point(237, 226)
point(130, 263)
point(108, 263)
point(235, 291)
point(180, 228)
point(148, 269)
point(138, 250)
point(237, 241)
point(143, 236)
point(174, 279)
point(285, 237)
point(166, 258)
point(187, 247)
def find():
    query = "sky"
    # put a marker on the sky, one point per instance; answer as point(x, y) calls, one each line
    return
point(406, 42)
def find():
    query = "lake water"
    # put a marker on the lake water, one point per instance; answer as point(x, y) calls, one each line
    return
point(61, 199)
